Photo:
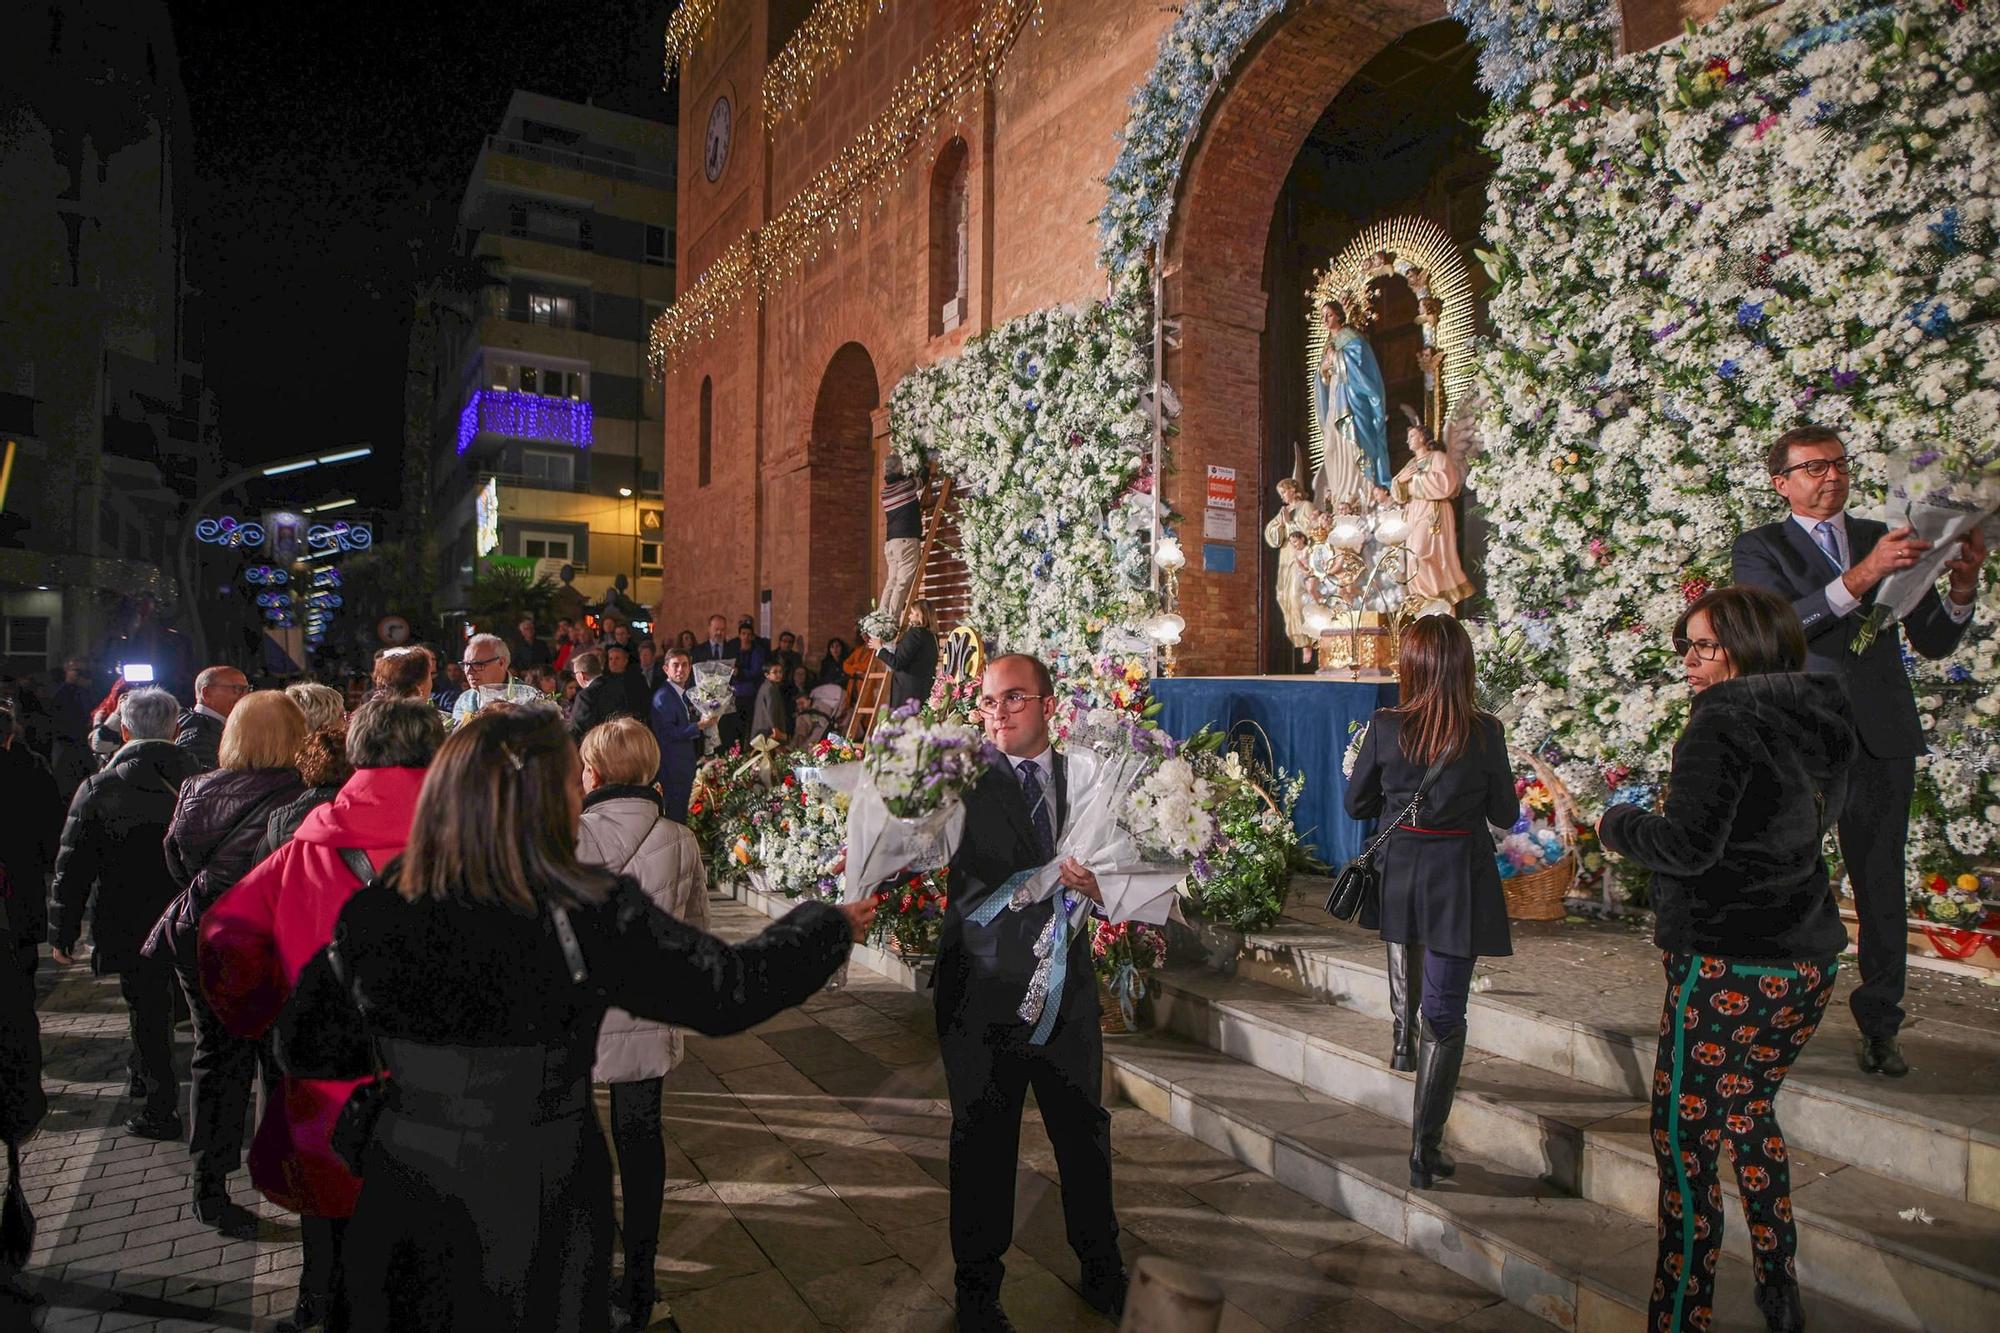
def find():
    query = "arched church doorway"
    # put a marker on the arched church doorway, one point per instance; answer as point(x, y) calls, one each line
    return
point(1333, 120)
point(834, 571)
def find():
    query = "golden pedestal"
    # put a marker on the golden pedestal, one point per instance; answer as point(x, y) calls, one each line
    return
point(1363, 645)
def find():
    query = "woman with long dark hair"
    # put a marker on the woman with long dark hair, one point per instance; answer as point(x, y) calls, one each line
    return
point(481, 964)
point(1751, 937)
point(1442, 904)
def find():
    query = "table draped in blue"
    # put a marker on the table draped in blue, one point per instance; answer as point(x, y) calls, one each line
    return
point(1306, 722)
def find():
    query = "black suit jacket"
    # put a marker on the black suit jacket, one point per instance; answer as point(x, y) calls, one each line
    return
point(200, 735)
point(983, 971)
point(1781, 557)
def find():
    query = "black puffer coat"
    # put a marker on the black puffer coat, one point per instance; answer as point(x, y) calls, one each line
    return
point(200, 735)
point(1759, 776)
point(285, 820)
point(114, 844)
point(213, 840)
point(28, 832)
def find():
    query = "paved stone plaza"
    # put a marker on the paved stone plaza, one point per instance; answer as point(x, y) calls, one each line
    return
point(806, 1191)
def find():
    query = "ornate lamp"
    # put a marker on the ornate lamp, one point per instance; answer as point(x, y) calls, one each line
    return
point(1165, 629)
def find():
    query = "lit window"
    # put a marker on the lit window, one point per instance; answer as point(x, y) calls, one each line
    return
point(531, 380)
point(555, 311)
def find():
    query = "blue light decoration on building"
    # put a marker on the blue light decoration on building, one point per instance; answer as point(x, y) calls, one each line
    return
point(228, 530)
point(340, 536)
point(524, 416)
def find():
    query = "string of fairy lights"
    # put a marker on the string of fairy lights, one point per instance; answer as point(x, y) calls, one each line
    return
point(690, 24)
point(872, 164)
point(820, 46)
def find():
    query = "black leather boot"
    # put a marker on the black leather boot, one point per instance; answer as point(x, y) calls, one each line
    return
point(1437, 1085)
point(1779, 1304)
point(1406, 984)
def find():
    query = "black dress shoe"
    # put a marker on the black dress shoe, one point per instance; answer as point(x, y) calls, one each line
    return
point(982, 1314)
point(1779, 1304)
point(1104, 1289)
point(309, 1313)
point(154, 1127)
point(1878, 1055)
point(231, 1219)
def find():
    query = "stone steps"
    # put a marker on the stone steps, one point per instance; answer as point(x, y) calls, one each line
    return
point(1574, 1263)
point(1584, 1140)
point(1923, 1130)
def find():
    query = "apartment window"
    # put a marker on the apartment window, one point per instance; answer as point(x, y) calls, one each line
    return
point(555, 311)
point(707, 428)
point(556, 469)
point(649, 481)
point(656, 245)
point(545, 545)
point(649, 557)
point(27, 636)
point(571, 384)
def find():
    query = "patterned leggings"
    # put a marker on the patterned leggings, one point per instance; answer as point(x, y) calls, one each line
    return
point(1728, 1035)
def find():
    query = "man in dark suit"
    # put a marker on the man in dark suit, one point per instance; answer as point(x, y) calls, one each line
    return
point(678, 728)
point(217, 691)
point(718, 646)
point(599, 697)
point(1828, 563)
point(992, 1056)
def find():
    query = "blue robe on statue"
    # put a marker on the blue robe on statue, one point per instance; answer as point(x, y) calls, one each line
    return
point(1353, 403)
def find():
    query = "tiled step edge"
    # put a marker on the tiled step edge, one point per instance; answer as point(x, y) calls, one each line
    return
point(1586, 1144)
point(1486, 1229)
point(1889, 1141)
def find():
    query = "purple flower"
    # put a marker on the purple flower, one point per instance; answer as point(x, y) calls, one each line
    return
point(1750, 315)
point(1728, 369)
point(1846, 379)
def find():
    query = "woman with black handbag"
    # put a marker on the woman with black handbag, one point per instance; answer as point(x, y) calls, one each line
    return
point(1441, 766)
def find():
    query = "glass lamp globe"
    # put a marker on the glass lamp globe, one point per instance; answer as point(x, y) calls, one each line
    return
point(1168, 555)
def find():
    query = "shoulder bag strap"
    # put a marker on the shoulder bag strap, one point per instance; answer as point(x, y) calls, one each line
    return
point(566, 937)
point(1423, 785)
point(359, 863)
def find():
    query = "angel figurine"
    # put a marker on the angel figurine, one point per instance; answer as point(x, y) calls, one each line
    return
point(1287, 534)
point(1425, 488)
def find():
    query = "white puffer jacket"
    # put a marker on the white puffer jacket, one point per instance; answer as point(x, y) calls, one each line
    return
point(624, 830)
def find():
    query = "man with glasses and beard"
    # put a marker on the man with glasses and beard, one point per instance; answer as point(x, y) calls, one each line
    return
point(488, 680)
point(1828, 563)
point(992, 1056)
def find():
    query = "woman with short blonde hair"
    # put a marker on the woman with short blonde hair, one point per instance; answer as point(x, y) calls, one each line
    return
point(620, 752)
point(219, 823)
point(324, 706)
point(265, 730)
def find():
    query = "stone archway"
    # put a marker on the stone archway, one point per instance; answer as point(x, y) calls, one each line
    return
point(832, 575)
point(1214, 293)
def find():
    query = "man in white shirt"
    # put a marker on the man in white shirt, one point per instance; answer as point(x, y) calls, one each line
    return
point(1828, 564)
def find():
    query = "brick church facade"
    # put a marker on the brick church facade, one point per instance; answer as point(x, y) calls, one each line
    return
point(777, 427)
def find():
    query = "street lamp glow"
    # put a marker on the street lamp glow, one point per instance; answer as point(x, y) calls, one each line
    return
point(332, 504)
point(346, 455)
point(296, 465)
point(624, 492)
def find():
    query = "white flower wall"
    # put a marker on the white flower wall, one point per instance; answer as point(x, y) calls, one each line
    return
point(1787, 216)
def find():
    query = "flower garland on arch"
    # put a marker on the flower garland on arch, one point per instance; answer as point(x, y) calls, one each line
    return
point(1787, 215)
point(1042, 424)
point(1526, 42)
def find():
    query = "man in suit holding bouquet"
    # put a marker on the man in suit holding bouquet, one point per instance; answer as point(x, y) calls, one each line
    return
point(1828, 564)
point(992, 1056)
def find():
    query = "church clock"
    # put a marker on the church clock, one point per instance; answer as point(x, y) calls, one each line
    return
point(715, 149)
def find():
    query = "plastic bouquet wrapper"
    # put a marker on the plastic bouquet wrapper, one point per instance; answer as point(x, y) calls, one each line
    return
point(711, 692)
point(1140, 819)
point(879, 624)
point(1939, 510)
point(905, 798)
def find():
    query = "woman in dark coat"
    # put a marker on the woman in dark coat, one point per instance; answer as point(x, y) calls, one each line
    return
point(220, 819)
point(482, 963)
point(913, 661)
point(1442, 904)
point(1750, 932)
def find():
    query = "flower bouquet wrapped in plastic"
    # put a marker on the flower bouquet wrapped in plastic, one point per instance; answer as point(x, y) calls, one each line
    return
point(711, 692)
point(1140, 818)
point(1941, 495)
point(905, 798)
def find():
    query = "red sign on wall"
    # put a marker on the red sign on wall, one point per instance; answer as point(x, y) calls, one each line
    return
point(1221, 487)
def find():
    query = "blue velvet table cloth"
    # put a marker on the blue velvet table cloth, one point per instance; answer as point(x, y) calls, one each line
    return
point(1305, 720)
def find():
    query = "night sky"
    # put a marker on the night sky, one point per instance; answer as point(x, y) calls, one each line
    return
point(322, 134)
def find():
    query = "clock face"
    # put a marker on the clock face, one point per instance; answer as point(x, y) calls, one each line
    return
point(715, 151)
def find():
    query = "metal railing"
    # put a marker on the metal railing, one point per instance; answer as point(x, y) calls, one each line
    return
point(596, 166)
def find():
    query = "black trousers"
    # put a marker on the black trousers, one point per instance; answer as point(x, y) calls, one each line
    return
point(1447, 987)
point(988, 1069)
point(1874, 831)
point(642, 1171)
point(223, 1068)
point(148, 988)
point(323, 1276)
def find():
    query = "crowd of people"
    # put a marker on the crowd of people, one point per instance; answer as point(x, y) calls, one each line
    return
point(429, 915)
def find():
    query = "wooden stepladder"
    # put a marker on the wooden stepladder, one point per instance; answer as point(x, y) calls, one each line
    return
point(942, 578)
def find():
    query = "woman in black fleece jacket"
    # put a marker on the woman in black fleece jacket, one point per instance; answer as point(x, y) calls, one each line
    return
point(1750, 934)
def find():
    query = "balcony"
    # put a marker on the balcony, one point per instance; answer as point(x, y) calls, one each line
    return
point(574, 161)
point(524, 416)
